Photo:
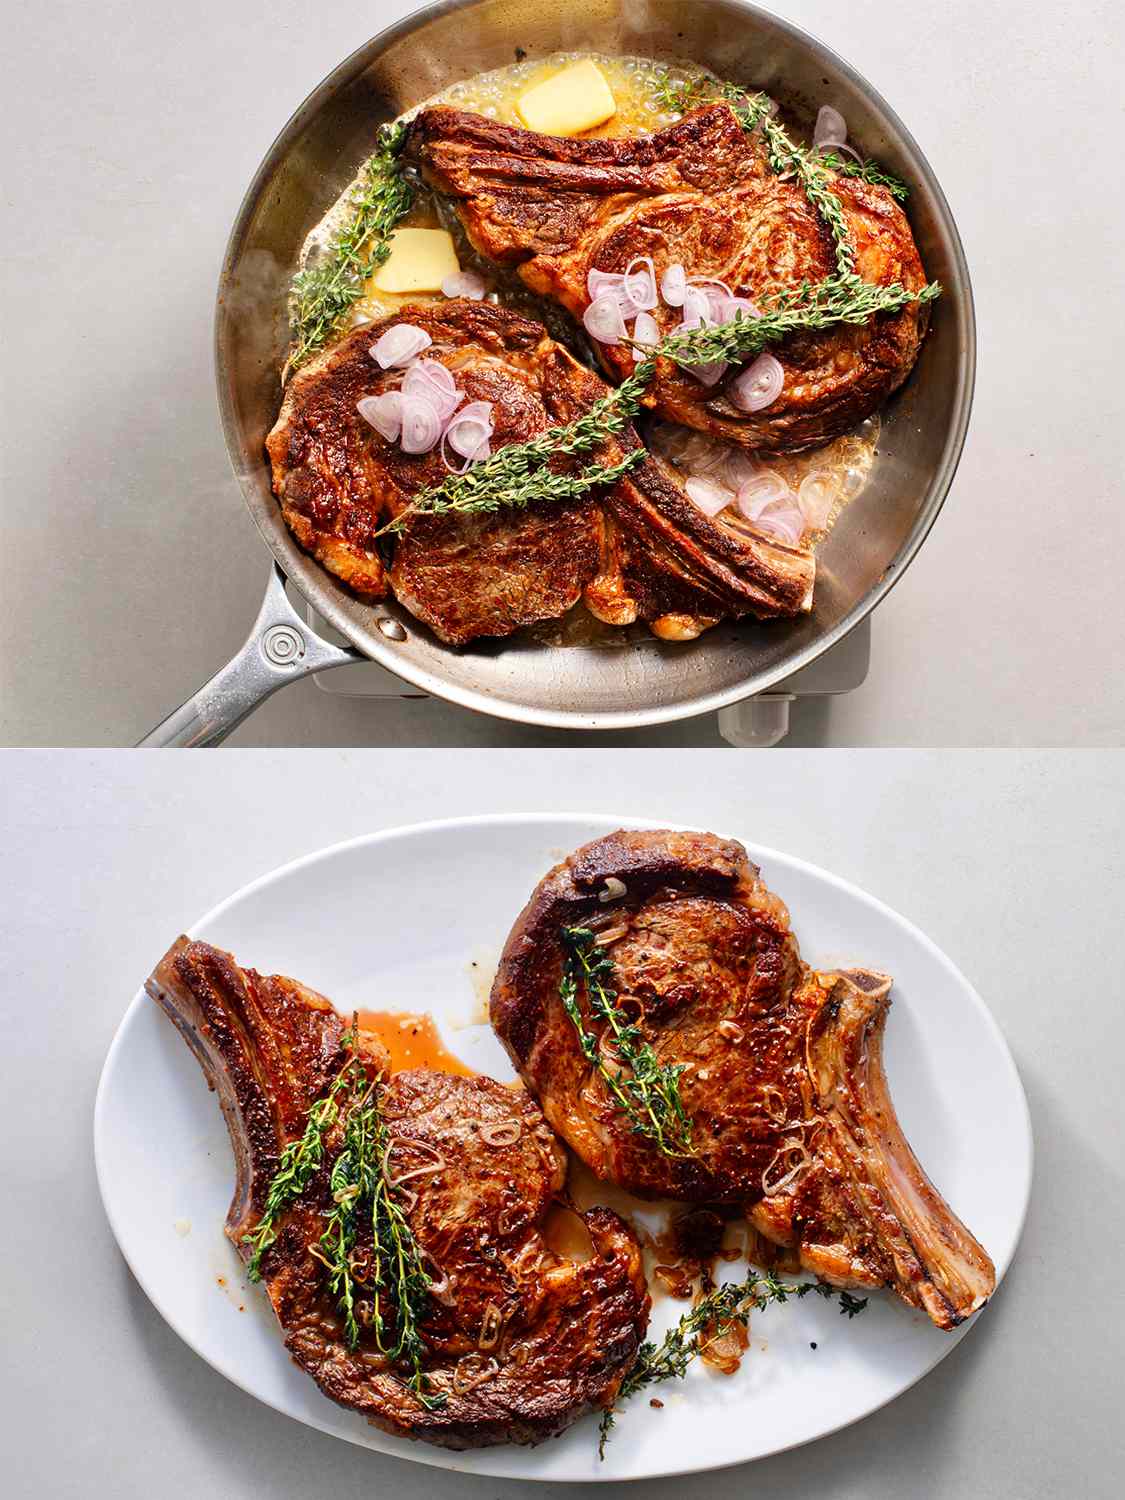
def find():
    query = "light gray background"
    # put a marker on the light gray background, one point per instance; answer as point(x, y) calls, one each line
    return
point(131, 570)
point(1012, 863)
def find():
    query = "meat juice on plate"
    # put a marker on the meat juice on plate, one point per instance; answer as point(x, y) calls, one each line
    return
point(841, 467)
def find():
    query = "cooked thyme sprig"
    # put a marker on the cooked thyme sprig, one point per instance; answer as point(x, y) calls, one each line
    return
point(810, 306)
point(711, 1317)
point(299, 1162)
point(323, 294)
point(519, 474)
point(787, 159)
point(385, 1287)
point(648, 1094)
point(351, 1182)
point(399, 1271)
point(866, 171)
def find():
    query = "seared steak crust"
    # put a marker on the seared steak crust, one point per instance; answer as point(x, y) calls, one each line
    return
point(552, 1337)
point(640, 551)
point(783, 1078)
point(338, 480)
point(699, 193)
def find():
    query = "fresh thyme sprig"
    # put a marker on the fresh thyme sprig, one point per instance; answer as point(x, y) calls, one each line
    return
point(399, 1270)
point(393, 1269)
point(808, 307)
point(866, 171)
point(351, 1182)
point(649, 1093)
point(712, 1316)
point(323, 294)
point(786, 159)
point(516, 475)
point(298, 1164)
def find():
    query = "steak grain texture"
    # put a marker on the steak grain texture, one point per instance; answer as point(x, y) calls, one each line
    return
point(563, 1332)
point(783, 1077)
point(641, 551)
point(700, 194)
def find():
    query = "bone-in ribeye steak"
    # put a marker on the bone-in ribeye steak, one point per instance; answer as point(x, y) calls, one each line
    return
point(561, 1334)
point(783, 1075)
point(641, 551)
point(699, 193)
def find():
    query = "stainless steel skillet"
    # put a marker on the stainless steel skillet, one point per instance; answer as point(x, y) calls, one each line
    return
point(310, 164)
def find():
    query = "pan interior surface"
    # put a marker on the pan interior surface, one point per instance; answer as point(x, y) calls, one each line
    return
point(646, 681)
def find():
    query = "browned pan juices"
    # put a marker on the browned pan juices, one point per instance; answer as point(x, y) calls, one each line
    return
point(412, 1040)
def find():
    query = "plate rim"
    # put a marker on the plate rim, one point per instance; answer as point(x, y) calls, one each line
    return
point(443, 1458)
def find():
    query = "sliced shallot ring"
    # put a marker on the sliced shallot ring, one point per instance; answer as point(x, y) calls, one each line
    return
point(734, 307)
point(709, 374)
point(816, 496)
point(708, 496)
point(697, 309)
point(785, 1152)
point(759, 385)
point(599, 282)
point(462, 1385)
point(673, 285)
point(646, 335)
point(471, 427)
point(784, 519)
point(765, 488)
point(384, 413)
point(421, 424)
point(831, 128)
point(603, 320)
point(739, 468)
point(717, 293)
point(482, 431)
point(464, 284)
point(500, 1132)
point(430, 379)
point(640, 287)
point(399, 345)
point(424, 1171)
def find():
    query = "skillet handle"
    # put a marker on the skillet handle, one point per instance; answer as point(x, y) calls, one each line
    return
point(280, 649)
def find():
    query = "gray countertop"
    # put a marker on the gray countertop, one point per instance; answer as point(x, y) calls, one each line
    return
point(1011, 863)
point(131, 570)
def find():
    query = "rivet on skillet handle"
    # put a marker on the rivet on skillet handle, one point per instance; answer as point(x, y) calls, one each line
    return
point(280, 649)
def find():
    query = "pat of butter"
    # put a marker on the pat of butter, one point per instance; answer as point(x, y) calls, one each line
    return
point(569, 102)
point(419, 261)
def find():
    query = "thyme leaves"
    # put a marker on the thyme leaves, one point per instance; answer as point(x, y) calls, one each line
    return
point(646, 1091)
point(323, 294)
point(808, 307)
point(712, 1316)
point(299, 1162)
point(520, 474)
point(374, 1267)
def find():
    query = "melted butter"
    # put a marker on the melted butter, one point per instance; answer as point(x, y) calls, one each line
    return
point(413, 1041)
point(633, 81)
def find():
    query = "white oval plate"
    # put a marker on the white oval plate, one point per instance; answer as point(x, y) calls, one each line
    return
point(395, 921)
